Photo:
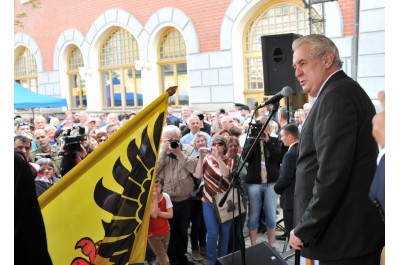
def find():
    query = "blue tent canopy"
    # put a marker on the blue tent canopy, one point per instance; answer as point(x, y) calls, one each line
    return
point(26, 99)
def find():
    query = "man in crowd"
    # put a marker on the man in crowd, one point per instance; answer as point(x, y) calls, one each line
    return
point(246, 114)
point(171, 118)
point(194, 124)
point(111, 128)
point(175, 163)
point(299, 118)
point(21, 127)
point(44, 147)
point(40, 122)
point(287, 174)
point(262, 173)
point(334, 220)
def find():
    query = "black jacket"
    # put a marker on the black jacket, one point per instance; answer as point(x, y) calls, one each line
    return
point(272, 157)
point(287, 179)
point(335, 168)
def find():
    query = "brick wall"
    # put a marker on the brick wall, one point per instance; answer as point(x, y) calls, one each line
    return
point(347, 8)
point(54, 17)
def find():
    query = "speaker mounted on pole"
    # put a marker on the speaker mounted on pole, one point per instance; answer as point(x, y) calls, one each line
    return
point(277, 58)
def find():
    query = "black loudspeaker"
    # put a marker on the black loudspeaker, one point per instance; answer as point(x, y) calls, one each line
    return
point(260, 253)
point(277, 58)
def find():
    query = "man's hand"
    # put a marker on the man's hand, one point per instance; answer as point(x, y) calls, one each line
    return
point(265, 136)
point(295, 242)
point(378, 122)
point(165, 144)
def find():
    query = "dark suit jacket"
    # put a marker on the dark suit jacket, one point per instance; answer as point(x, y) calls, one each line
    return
point(30, 244)
point(335, 168)
point(287, 178)
point(377, 191)
point(272, 157)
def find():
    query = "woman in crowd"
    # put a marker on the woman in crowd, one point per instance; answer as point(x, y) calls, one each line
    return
point(51, 131)
point(90, 143)
point(214, 167)
point(161, 211)
point(198, 229)
point(236, 230)
point(46, 171)
point(101, 137)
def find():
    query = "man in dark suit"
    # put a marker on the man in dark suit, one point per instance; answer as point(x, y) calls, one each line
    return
point(287, 174)
point(334, 220)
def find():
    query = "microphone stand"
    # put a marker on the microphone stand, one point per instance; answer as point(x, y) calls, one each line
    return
point(235, 182)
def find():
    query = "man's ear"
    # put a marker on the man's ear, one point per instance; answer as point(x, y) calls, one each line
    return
point(328, 60)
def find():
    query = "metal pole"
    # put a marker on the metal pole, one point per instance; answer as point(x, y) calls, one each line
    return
point(310, 17)
point(356, 39)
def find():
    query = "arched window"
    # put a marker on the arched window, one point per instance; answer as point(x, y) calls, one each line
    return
point(77, 86)
point(26, 69)
point(279, 18)
point(173, 67)
point(121, 83)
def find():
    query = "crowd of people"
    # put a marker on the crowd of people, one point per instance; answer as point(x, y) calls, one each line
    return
point(322, 179)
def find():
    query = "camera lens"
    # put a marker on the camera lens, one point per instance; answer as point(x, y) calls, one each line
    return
point(174, 143)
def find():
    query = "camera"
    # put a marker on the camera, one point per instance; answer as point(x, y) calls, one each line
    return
point(174, 143)
point(206, 150)
point(73, 142)
point(201, 117)
point(255, 129)
point(42, 155)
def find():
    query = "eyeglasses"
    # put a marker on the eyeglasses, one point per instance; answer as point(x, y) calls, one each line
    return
point(101, 140)
point(218, 144)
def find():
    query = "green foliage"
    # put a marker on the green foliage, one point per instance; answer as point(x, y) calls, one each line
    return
point(19, 17)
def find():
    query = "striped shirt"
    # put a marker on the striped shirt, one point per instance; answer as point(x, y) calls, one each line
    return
point(212, 176)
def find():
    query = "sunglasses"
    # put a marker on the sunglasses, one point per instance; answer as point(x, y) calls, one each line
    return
point(101, 140)
point(218, 144)
point(21, 123)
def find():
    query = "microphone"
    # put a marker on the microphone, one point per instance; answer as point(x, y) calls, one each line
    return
point(285, 92)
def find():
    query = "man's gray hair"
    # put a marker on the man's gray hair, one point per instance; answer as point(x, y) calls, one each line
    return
point(319, 46)
point(192, 117)
point(172, 129)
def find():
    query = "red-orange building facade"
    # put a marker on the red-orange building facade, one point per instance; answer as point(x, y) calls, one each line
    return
point(119, 55)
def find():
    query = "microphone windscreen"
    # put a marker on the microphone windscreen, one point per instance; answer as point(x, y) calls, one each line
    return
point(287, 91)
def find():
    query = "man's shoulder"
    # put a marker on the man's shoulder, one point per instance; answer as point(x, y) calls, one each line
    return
point(188, 149)
point(187, 138)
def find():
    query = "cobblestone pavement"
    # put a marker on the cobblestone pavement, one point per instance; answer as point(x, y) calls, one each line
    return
point(261, 237)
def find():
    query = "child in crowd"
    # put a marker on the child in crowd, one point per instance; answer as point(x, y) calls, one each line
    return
point(159, 230)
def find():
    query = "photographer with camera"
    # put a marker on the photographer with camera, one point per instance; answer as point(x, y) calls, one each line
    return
point(72, 149)
point(176, 161)
point(262, 173)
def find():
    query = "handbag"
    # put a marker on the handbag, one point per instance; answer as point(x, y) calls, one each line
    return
point(229, 210)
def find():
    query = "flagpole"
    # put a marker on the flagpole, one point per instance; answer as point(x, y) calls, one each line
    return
point(171, 90)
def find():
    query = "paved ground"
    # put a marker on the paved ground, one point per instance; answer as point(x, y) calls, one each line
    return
point(279, 244)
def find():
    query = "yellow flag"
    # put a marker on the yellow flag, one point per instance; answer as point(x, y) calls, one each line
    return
point(99, 212)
